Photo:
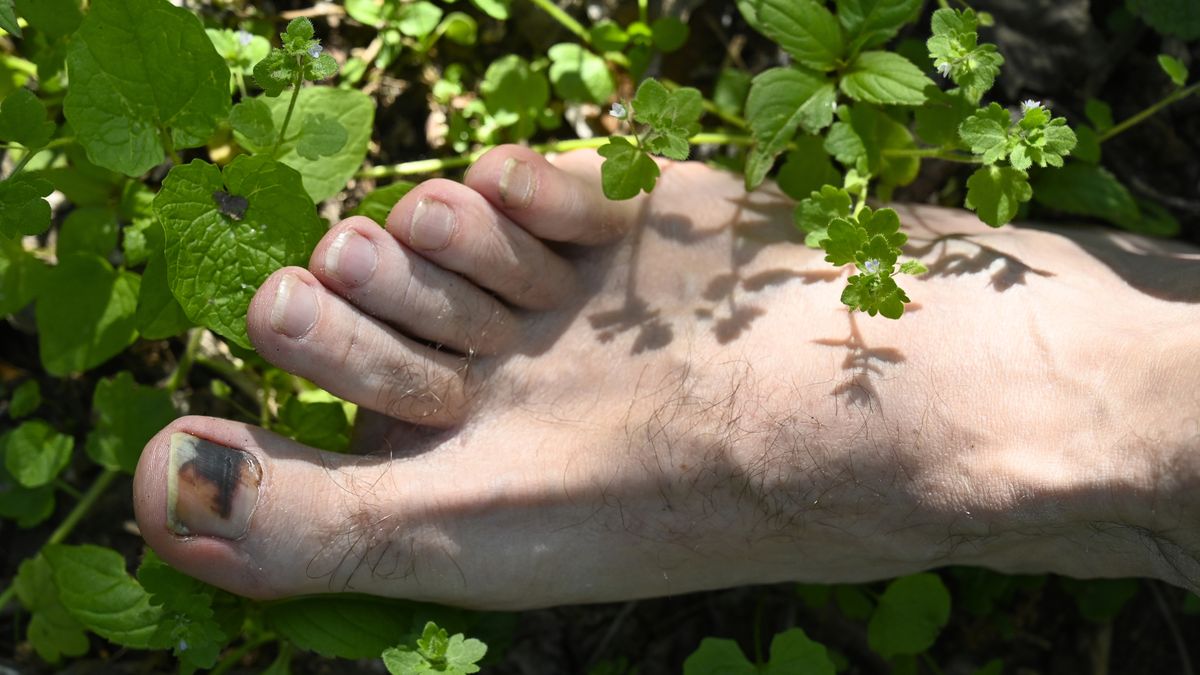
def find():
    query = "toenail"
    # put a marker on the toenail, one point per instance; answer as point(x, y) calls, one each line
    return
point(211, 489)
point(295, 310)
point(351, 259)
point(516, 183)
point(432, 225)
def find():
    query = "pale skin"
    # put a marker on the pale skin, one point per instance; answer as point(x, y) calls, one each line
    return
point(582, 401)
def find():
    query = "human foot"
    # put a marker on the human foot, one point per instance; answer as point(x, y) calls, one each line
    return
point(685, 408)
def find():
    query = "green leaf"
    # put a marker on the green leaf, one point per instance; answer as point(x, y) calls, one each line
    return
point(379, 203)
point(326, 176)
point(1180, 18)
point(793, 653)
point(996, 192)
point(718, 657)
point(885, 78)
point(52, 631)
point(870, 23)
point(34, 453)
point(1100, 600)
point(669, 33)
point(627, 170)
point(188, 623)
point(497, 9)
point(804, 28)
point(320, 136)
point(673, 116)
point(215, 263)
point(579, 75)
point(26, 506)
point(318, 424)
point(277, 71)
point(806, 169)
point(956, 53)
point(240, 49)
point(159, 314)
point(515, 94)
point(129, 82)
point(419, 19)
point(8, 18)
point(252, 119)
point(85, 314)
point(298, 35)
point(913, 267)
point(23, 120)
point(127, 416)
point(814, 214)
point(874, 294)
point(909, 616)
point(23, 208)
point(937, 121)
point(986, 133)
point(608, 36)
point(1040, 140)
point(346, 626)
point(1099, 114)
point(95, 588)
point(21, 276)
point(26, 399)
point(435, 651)
point(90, 229)
point(460, 28)
point(1087, 190)
point(54, 18)
point(781, 100)
point(862, 137)
point(1174, 69)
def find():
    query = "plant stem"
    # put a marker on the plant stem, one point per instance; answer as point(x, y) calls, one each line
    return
point(931, 153)
point(236, 655)
point(287, 119)
point(1177, 95)
point(179, 376)
point(565, 19)
point(644, 11)
point(68, 488)
point(424, 166)
point(168, 144)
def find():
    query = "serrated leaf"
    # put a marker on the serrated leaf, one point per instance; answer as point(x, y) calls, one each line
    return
point(26, 399)
point(956, 53)
point(780, 101)
point(215, 263)
point(95, 588)
point(909, 616)
point(326, 176)
point(674, 116)
point(275, 72)
point(320, 136)
point(579, 75)
point(874, 294)
point(870, 23)
point(52, 631)
point(23, 207)
point(128, 83)
point(717, 656)
point(626, 170)
point(794, 653)
point(885, 78)
point(347, 626)
point(986, 133)
point(252, 118)
point(996, 192)
point(8, 18)
point(34, 453)
point(379, 202)
point(23, 120)
point(85, 313)
point(127, 415)
point(814, 214)
point(21, 276)
point(804, 28)
point(188, 624)
point(806, 169)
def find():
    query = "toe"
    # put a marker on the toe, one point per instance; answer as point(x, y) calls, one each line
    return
point(364, 264)
point(558, 202)
point(455, 227)
point(302, 327)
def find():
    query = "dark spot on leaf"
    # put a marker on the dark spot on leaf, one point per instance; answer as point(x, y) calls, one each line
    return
point(230, 205)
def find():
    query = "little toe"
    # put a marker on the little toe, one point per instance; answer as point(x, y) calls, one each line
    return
point(304, 328)
point(558, 202)
point(453, 226)
point(364, 264)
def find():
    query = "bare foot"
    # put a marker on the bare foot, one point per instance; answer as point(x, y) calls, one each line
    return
point(577, 400)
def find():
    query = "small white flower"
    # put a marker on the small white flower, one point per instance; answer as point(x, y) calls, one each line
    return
point(183, 645)
point(944, 68)
point(1030, 104)
point(244, 38)
point(618, 111)
point(871, 266)
point(315, 51)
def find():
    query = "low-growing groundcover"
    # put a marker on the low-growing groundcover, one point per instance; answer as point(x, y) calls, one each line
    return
point(153, 152)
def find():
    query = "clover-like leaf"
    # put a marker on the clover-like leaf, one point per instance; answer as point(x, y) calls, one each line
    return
point(986, 133)
point(909, 616)
point(52, 631)
point(814, 214)
point(215, 263)
point(129, 83)
point(957, 54)
point(23, 119)
point(34, 453)
point(85, 313)
point(23, 207)
point(885, 78)
point(627, 169)
point(804, 28)
point(320, 136)
point(996, 192)
point(674, 117)
point(874, 294)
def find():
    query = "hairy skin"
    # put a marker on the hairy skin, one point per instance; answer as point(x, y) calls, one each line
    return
point(692, 408)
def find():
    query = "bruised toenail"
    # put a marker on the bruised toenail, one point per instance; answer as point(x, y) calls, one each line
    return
point(432, 225)
point(295, 309)
point(211, 489)
point(516, 183)
point(351, 259)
